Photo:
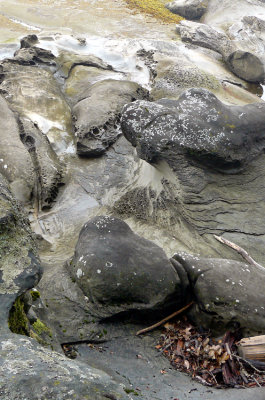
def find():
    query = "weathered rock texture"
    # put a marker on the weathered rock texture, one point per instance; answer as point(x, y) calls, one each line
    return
point(15, 161)
point(48, 171)
point(19, 265)
point(190, 9)
point(97, 116)
point(119, 271)
point(29, 371)
point(225, 137)
point(245, 57)
point(33, 92)
point(228, 294)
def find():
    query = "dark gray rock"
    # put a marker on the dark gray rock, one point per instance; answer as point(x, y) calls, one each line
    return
point(119, 271)
point(229, 294)
point(245, 58)
point(28, 41)
point(197, 125)
point(34, 55)
point(97, 116)
point(47, 169)
point(19, 265)
point(190, 9)
point(29, 371)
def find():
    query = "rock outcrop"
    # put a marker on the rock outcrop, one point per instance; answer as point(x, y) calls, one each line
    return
point(30, 371)
point(119, 271)
point(97, 116)
point(198, 125)
point(245, 57)
point(190, 9)
point(19, 264)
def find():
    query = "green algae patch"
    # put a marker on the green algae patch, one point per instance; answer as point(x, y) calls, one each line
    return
point(35, 295)
point(155, 8)
point(40, 327)
point(18, 322)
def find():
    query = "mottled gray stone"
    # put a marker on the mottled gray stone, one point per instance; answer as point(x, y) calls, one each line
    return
point(190, 9)
point(48, 171)
point(32, 372)
point(19, 265)
point(198, 125)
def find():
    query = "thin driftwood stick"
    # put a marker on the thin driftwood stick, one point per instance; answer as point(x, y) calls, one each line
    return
point(239, 250)
point(150, 328)
point(249, 362)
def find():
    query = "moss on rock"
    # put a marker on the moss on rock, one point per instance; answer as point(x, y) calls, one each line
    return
point(40, 328)
point(157, 9)
point(18, 322)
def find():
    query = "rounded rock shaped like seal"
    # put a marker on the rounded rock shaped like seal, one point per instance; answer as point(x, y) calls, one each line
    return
point(119, 271)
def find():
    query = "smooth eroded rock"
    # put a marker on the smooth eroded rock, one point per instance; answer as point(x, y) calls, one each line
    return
point(15, 162)
point(97, 116)
point(229, 294)
point(119, 271)
point(190, 9)
point(244, 54)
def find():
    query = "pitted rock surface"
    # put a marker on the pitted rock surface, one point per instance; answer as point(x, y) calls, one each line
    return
point(97, 116)
point(119, 271)
point(198, 125)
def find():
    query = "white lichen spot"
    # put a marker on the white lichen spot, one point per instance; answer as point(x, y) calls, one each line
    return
point(227, 280)
point(237, 301)
point(79, 273)
point(99, 271)
point(108, 264)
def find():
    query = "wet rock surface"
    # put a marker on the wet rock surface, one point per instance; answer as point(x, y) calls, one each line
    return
point(173, 196)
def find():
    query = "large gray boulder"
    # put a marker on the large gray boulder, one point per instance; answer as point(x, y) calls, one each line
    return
point(229, 294)
point(190, 9)
point(30, 371)
point(197, 125)
point(97, 116)
point(245, 57)
point(120, 271)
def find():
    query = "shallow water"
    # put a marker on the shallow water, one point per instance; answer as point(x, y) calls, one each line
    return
point(105, 18)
